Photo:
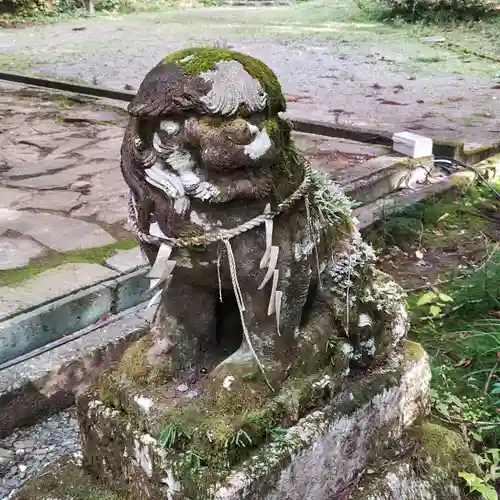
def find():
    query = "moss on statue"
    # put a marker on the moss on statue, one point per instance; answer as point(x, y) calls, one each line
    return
point(289, 172)
point(222, 433)
point(195, 61)
point(132, 372)
point(413, 351)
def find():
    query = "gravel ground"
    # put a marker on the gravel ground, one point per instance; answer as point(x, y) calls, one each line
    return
point(331, 67)
point(27, 450)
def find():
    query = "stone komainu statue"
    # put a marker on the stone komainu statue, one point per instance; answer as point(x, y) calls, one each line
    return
point(256, 258)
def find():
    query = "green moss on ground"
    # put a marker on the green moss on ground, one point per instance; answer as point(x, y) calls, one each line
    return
point(131, 374)
point(224, 431)
point(64, 480)
point(98, 255)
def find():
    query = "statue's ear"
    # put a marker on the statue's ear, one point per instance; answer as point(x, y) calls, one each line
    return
point(156, 95)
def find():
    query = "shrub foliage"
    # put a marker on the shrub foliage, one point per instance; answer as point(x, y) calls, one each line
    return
point(430, 10)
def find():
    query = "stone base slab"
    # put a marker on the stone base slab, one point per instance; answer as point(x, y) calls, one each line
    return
point(314, 459)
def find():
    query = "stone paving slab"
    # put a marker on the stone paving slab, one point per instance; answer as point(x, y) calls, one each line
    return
point(125, 261)
point(49, 285)
point(54, 231)
point(18, 252)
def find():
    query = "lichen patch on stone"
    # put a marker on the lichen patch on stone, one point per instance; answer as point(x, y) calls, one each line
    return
point(231, 88)
point(144, 403)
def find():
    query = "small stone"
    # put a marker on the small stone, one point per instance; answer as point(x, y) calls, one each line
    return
point(90, 115)
point(24, 443)
point(7, 457)
point(127, 260)
point(5, 453)
point(9, 196)
point(433, 39)
point(81, 186)
point(62, 201)
point(22, 467)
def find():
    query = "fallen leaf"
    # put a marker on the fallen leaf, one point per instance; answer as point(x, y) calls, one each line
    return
point(434, 310)
point(392, 103)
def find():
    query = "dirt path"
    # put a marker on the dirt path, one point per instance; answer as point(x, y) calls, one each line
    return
point(332, 66)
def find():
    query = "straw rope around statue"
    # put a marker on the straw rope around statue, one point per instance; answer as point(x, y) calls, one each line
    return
point(222, 234)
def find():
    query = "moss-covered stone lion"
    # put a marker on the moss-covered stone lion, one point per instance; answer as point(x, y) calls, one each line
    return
point(261, 272)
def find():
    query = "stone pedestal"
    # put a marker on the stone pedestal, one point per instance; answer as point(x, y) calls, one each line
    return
point(314, 459)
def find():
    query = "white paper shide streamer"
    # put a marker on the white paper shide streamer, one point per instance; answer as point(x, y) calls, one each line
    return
point(270, 259)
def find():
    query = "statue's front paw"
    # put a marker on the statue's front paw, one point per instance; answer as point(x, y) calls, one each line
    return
point(206, 191)
point(243, 381)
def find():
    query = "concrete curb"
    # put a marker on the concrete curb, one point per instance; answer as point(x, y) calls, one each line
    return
point(383, 176)
point(369, 215)
point(45, 324)
point(48, 382)
point(457, 149)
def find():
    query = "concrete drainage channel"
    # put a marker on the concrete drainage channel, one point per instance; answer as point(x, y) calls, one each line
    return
point(57, 348)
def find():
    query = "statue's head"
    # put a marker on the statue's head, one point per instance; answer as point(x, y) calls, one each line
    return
point(215, 108)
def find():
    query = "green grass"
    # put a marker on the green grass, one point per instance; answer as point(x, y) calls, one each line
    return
point(89, 255)
point(462, 337)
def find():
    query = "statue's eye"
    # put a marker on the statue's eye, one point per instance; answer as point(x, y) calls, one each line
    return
point(170, 127)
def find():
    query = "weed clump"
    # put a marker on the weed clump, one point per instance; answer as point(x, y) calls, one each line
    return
point(430, 10)
point(452, 241)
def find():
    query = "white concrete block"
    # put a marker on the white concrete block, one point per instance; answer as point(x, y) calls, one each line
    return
point(412, 145)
